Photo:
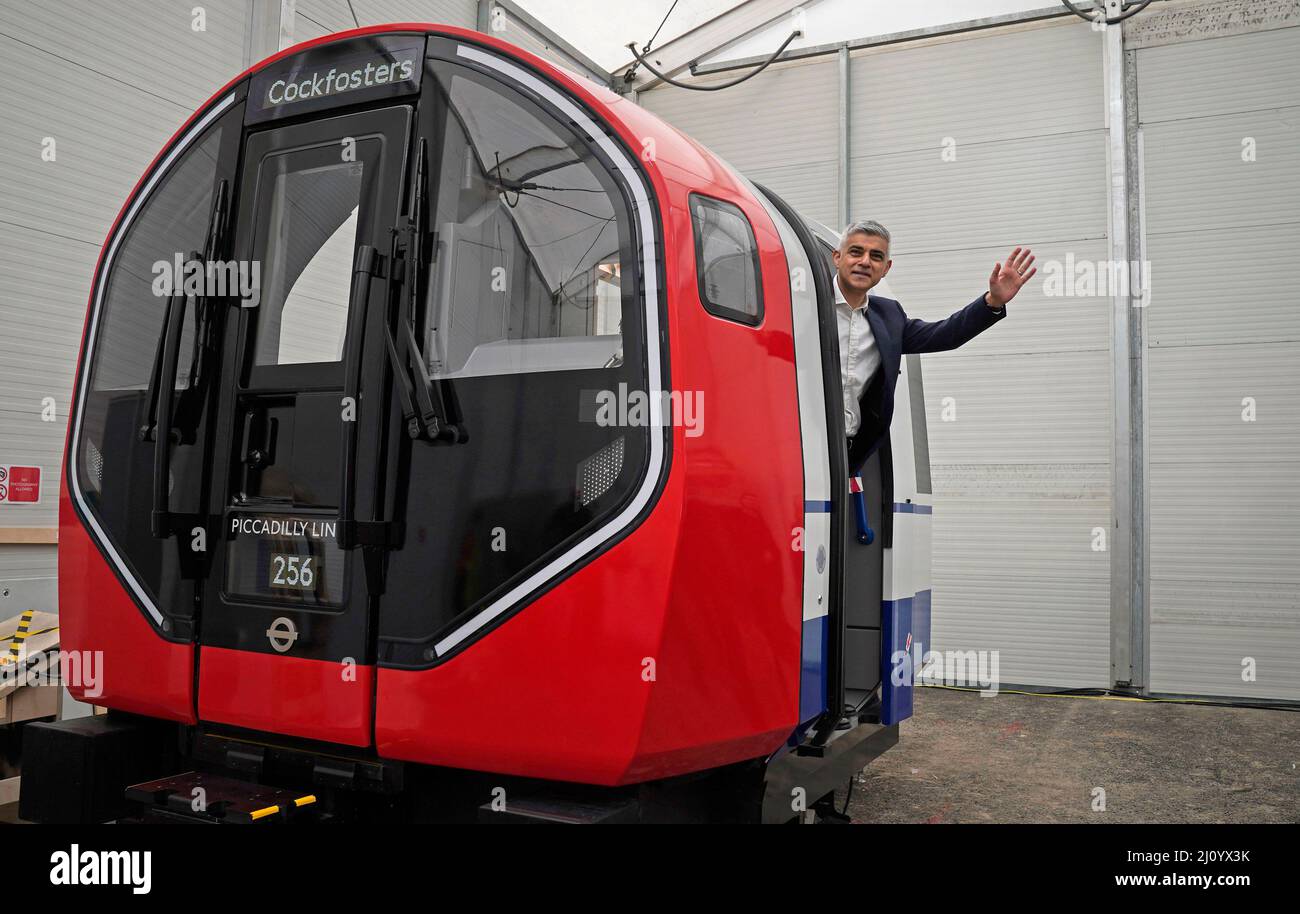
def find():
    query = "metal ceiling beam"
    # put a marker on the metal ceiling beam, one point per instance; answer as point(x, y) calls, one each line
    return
point(873, 41)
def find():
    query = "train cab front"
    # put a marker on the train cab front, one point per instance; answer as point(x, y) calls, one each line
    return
point(343, 412)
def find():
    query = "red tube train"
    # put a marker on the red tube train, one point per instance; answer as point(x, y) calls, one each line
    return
point(453, 439)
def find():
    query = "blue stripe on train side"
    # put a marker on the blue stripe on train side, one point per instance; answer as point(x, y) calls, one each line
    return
point(902, 619)
point(905, 627)
point(812, 668)
point(896, 639)
point(909, 508)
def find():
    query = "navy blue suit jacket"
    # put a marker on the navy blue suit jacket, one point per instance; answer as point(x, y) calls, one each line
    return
point(896, 336)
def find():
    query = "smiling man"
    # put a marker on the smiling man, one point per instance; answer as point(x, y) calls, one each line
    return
point(875, 332)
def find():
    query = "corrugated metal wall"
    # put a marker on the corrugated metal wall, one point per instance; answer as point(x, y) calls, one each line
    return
point(1022, 475)
point(1222, 232)
point(313, 18)
point(108, 84)
point(780, 129)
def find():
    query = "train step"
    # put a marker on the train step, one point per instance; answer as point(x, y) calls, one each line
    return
point(208, 798)
point(557, 809)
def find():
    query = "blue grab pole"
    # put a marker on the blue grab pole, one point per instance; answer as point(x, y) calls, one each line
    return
point(865, 534)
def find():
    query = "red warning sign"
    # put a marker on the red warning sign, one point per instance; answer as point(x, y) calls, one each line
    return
point(19, 484)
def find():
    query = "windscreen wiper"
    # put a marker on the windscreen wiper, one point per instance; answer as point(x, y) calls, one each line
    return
point(429, 406)
point(167, 423)
point(149, 429)
point(189, 407)
point(202, 330)
point(213, 247)
point(160, 417)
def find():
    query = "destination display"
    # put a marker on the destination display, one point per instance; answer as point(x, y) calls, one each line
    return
point(284, 558)
point(336, 75)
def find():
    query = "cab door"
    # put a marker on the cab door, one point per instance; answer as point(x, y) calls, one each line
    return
point(287, 625)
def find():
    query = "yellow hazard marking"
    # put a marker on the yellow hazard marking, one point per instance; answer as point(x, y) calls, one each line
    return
point(304, 801)
point(16, 643)
point(263, 813)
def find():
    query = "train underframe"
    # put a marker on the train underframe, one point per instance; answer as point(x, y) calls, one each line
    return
point(118, 767)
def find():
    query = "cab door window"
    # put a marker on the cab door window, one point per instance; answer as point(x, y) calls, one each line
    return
point(310, 234)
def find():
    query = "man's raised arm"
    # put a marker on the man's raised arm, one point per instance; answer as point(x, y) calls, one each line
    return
point(963, 326)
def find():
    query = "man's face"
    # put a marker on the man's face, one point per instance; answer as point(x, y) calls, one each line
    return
point(862, 261)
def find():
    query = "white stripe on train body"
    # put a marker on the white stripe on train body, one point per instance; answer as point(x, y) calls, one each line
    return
point(812, 415)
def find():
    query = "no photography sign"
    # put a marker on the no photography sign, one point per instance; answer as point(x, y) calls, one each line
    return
point(19, 484)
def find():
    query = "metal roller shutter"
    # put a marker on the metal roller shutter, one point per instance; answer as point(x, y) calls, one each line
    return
point(1222, 231)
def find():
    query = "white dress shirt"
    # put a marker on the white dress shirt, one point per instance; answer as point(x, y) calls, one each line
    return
point(859, 356)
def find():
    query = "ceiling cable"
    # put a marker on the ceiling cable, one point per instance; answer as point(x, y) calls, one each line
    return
point(717, 86)
point(631, 73)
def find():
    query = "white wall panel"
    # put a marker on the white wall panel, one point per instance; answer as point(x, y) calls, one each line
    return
point(320, 17)
point(150, 47)
point(1223, 334)
point(1030, 585)
point(977, 88)
point(994, 195)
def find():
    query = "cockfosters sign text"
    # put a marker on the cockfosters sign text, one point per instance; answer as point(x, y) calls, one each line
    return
point(300, 87)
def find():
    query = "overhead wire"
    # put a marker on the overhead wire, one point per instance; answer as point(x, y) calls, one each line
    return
point(716, 87)
point(631, 73)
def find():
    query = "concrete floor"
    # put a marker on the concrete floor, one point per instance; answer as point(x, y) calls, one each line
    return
point(1018, 758)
